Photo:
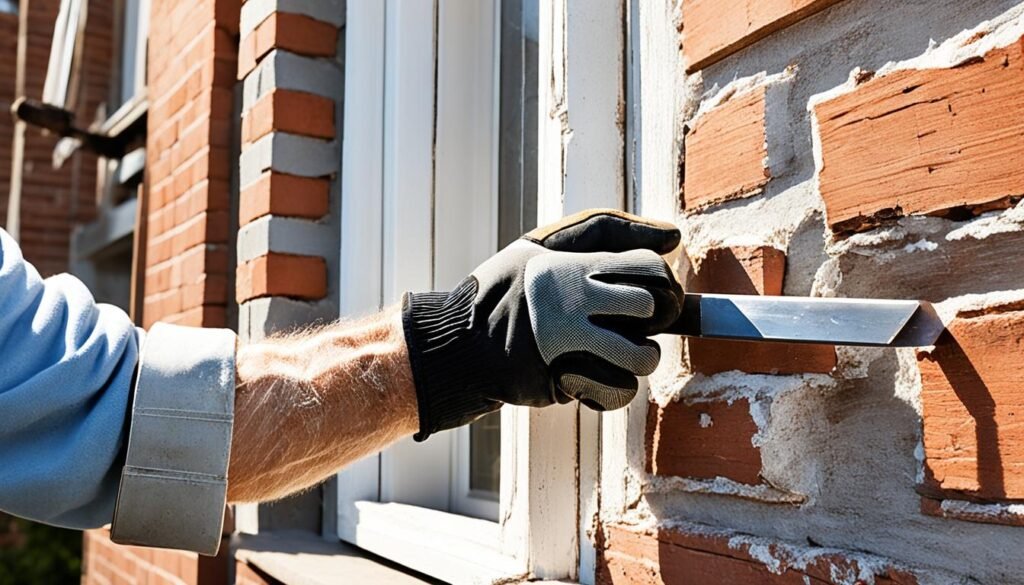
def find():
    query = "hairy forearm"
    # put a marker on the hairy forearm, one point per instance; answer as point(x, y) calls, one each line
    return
point(310, 403)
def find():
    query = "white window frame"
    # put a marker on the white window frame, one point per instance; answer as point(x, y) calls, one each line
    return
point(60, 85)
point(545, 521)
point(132, 37)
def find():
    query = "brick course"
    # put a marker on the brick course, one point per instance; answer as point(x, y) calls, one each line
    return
point(696, 554)
point(286, 275)
point(944, 130)
point(297, 33)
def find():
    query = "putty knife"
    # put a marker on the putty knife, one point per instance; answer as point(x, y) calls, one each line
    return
point(866, 322)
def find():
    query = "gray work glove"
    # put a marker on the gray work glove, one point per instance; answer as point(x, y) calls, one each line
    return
point(562, 313)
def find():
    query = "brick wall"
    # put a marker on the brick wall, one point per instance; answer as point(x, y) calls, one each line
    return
point(106, 563)
point(53, 201)
point(8, 73)
point(291, 70)
point(847, 148)
point(190, 165)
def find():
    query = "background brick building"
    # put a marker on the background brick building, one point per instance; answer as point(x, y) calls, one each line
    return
point(306, 160)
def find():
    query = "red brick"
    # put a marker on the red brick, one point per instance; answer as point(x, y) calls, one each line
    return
point(297, 33)
point(750, 270)
point(715, 29)
point(952, 141)
point(703, 440)
point(296, 112)
point(287, 275)
point(286, 195)
point(697, 555)
point(972, 403)
point(725, 152)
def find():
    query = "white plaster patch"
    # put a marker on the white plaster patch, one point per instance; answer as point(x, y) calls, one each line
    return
point(705, 421)
point(920, 245)
point(717, 96)
point(908, 378)
point(993, 511)
point(722, 486)
point(987, 224)
point(949, 308)
point(733, 385)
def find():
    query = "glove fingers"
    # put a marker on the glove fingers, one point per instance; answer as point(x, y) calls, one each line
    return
point(594, 382)
point(625, 308)
point(606, 230)
point(667, 308)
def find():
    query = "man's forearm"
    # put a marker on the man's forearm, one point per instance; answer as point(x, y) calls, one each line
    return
point(310, 403)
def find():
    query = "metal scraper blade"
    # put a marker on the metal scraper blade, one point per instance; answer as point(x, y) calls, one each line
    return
point(866, 322)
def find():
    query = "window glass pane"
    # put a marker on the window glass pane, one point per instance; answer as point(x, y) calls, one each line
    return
point(485, 456)
point(9, 6)
point(517, 193)
point(133, 38)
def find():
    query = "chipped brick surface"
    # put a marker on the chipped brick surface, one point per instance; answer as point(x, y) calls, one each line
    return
point(925, 142)
point(703, 440)
point(725, 152)
point(972, 405)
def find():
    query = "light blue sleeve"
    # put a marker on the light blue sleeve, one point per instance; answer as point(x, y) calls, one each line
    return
point(66, 368)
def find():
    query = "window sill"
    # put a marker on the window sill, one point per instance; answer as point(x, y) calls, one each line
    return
point(303, 558)
point(454, 548)
point(126, 116)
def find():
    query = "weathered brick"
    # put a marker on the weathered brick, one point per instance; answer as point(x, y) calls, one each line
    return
point(972, 403)
point(303, 277)
point(285, 110)
point(704, 439)
point(750, 270)
point(715, 29)
point(952, 138)
point(726, 153)
point(696, 554)
point(297, 33)
point(286, 195)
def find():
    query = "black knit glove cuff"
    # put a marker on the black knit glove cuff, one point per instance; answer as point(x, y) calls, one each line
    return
point(445, 356)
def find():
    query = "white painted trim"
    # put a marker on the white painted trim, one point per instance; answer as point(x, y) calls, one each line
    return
point(453, 548)
point(360, 273)
point(411, 473)
point(582, 163)
point(657, 72)
point(405, 253)
point(362, 161)
point(466, 188)
point(62, 51)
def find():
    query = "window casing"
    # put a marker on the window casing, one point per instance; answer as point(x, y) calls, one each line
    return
point(427, 194)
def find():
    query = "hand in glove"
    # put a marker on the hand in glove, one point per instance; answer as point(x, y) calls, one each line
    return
point(562, 313)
